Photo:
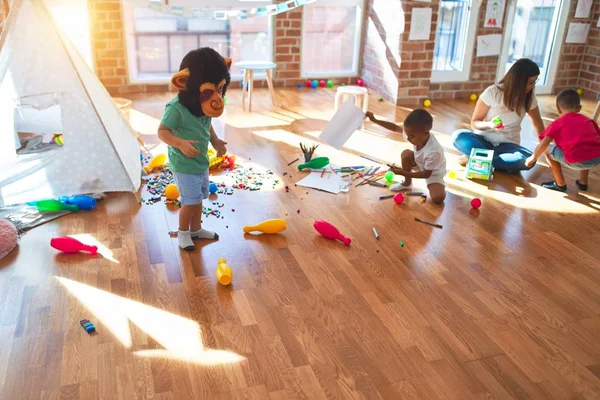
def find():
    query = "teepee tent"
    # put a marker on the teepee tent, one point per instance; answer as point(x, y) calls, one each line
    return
point(47, 90)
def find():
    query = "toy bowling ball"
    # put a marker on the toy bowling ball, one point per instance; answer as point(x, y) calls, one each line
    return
point(399, 198)
point(314, 84)
point(389, 176)
point(308, 83)
point(300, 86)
point(171, 192)
point(360, 82)
point(322, 83)
point(476, 203)
point(212, 188)
point(330, 83)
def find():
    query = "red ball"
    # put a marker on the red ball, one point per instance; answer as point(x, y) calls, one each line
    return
point(399, 198)
point(360, 82)
point(322, 83)
point(308, 83)
point(476, 202)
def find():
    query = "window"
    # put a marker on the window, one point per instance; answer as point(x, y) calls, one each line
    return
point(539, 23)
point(331, 35)
point(157, 42)
point(454, 40)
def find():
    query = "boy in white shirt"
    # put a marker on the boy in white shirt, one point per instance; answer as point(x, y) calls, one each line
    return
point(426, 160)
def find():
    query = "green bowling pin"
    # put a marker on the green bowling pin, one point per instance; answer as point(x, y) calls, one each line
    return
point(315, 163)
point(51, 205)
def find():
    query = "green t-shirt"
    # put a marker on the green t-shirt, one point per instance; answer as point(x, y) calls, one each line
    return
point(187, 126)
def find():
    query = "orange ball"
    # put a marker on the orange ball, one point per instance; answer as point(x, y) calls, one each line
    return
point(171, 192)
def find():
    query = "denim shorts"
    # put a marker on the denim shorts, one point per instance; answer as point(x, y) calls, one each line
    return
point(557, 155)
point(193, 188)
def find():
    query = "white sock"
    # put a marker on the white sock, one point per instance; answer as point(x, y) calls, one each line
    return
point(204, 234)
point(396, 187)
point(185, 240)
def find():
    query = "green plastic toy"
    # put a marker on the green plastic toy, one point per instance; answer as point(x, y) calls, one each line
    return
point(315, 163)
point(498, 123)
point(389, 176)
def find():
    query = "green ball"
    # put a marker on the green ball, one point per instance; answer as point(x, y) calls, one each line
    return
point(330, 83)
point(389, 176)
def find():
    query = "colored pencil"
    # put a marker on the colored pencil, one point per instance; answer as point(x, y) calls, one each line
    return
point(291, 162)
point(428, 223)
point(375, 233)
point(389, 196)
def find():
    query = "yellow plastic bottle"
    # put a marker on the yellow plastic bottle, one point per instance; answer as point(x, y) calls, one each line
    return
point(224, 274)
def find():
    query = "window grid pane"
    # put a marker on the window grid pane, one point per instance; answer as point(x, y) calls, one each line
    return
point(450, 40)
point(158, 42)
point(329, 38)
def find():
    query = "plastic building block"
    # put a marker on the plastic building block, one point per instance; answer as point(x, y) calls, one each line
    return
point(87, 325)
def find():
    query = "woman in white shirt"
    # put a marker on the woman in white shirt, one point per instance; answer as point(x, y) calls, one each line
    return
point(510, 99)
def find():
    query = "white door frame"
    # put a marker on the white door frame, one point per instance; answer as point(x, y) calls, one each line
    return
point(565, 6)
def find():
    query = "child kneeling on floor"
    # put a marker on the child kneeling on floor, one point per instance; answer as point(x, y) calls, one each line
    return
point(426, 160)
point(186, 128)
point(576, 143)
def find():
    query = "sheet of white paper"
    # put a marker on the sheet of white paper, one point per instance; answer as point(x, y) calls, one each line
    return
point(598, 24)
point(578, 32)
point(420, 24)
point(329, 182)
point(344, 123)
point(494, 13)
point(583, 8)
point(489, 45)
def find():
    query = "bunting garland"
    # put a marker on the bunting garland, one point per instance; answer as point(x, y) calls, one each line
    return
point(220, 14)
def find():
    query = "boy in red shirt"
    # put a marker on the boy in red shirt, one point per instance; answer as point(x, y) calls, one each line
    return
point(576, 143)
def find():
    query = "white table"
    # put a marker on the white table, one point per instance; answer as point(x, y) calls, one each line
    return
point(249, 67)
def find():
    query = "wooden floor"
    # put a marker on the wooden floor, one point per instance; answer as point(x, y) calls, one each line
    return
point(503, 303)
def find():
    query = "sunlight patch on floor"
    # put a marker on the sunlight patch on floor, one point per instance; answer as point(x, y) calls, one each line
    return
point(180, 337)
point(541, 200)
point(89, 240)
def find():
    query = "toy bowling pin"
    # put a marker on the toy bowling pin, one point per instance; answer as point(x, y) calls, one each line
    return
point(268, 226)
point(52, 205)
point(82, 201)
point(330, 232)
point(224, 273)
point(71, 245)
point(156, 162)
point(315, 163)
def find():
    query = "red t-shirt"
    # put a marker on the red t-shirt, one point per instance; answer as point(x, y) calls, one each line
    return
point(576, 135)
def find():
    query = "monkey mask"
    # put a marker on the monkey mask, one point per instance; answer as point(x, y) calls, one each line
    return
point(202, 81)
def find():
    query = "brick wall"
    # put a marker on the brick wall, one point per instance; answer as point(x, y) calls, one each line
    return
point(483, 69)
point(589, 75)
point(288, 34)
point(398, 69)
point(571, 58)
point(395, 67)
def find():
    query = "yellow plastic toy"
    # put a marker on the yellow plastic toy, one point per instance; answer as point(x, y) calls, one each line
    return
point(156, 162)
point(473, 97)
point(268, 226)
point(213, 160)
point(224, 273)
point(171, 192)
point(427, 103)
point(579, 91)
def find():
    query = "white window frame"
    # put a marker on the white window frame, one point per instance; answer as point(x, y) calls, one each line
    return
point(562, 20)
point(358, 37)
point(465, 74)
point(134, 80)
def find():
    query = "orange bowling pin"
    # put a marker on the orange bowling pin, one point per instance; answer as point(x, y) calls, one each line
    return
point(224, 273)
point(268, 226)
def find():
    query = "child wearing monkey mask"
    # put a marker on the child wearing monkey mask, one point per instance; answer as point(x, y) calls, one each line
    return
point(202, 81)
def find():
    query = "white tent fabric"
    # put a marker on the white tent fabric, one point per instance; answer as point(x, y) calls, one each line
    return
point(44, 80)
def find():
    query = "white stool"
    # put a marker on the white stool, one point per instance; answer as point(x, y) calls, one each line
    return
point(249, 67)
point(361, 95)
